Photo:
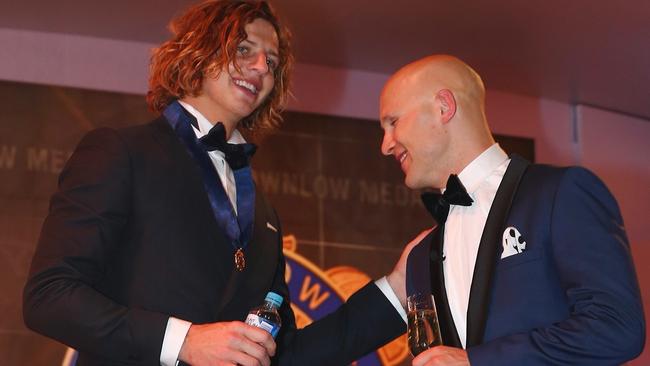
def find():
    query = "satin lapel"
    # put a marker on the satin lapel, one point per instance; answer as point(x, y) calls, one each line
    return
point(223, 211)
point(479, 296)
point(424, 274)
point(245, 204)
point(439, 291)
point(183, 163)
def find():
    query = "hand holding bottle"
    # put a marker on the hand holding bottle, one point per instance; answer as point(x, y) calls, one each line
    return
point(227, 343)
point(266, 316)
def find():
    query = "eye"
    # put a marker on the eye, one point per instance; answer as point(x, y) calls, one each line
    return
point(388, 123)
point(272, 64)
point(242, 50)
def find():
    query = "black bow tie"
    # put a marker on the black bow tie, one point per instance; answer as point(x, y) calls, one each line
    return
point(438, 204)
point(237, 155)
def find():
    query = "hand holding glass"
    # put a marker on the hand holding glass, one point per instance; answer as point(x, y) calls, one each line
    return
point(423, 328)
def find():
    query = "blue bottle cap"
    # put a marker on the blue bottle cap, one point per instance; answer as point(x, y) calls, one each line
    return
point(274, 299)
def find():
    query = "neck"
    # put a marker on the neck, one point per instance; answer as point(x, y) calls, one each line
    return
point(470, 155)
point(464, 152)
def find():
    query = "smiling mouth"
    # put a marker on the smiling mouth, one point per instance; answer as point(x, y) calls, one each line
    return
point(401, 157)
point(246, 85)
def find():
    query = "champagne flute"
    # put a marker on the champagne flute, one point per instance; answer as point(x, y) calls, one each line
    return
point(423, 328)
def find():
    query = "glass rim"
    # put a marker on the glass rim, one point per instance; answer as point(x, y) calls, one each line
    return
point(419, 301)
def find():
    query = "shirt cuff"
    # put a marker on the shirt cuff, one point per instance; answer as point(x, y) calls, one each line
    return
point(385, 288)
point(173, 341)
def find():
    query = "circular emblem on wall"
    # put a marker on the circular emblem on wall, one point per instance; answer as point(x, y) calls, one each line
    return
point(316, 292)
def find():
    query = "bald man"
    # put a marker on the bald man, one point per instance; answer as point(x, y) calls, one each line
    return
point(529, 264)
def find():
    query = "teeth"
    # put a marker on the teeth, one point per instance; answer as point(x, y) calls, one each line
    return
point(247, 85)
point(402, 157)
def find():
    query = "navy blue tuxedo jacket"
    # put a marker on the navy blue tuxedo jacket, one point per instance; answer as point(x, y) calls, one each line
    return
point(130, 239)
point(571, 297)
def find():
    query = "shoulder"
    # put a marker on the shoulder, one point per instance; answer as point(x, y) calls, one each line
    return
point(113, 140)
point(562, 177)
point(143, 132)
point(572, 188)
point(569, 178)
point(566, 184)
point(113, 135)
point(115, 145)
point(582, 185)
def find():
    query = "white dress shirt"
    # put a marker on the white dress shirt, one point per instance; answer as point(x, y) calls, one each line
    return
point(177, 329)
point(464, 228)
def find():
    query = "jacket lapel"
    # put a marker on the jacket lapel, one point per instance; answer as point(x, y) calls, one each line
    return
point(187, 180)
point(479, 296)
point(418, 267)
point(424, 274)
point(447, 326)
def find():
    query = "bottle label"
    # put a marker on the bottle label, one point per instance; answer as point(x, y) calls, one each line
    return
point(260, 322)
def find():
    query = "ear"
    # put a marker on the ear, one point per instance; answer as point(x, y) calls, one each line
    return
point(446, 104)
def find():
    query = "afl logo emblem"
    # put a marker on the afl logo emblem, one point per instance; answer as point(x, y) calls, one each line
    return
point(316, 292)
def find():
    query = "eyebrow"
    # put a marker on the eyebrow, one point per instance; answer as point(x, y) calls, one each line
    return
point(271, 52)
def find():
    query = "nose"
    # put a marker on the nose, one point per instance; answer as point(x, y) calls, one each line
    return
point(387, 144)
point(258, 63)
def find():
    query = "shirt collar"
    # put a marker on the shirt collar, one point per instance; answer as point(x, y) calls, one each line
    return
point(481, 167)
point(205, 125)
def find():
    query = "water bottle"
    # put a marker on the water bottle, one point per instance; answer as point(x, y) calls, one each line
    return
point(266, 316)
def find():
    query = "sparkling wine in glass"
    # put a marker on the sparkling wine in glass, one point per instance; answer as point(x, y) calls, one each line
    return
point(423, 328)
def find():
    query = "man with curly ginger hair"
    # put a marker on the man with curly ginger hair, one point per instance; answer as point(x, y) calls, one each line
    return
point(157, 243)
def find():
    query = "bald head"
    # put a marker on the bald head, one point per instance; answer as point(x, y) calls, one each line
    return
point(433, 73)
point(442, 100)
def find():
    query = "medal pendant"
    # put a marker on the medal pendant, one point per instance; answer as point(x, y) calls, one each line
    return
point(240, 261)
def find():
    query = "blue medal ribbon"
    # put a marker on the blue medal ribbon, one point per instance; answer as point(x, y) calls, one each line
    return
point(237, 228)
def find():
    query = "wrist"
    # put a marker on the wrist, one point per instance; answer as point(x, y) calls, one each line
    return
point(397, 283)
point(185, 352)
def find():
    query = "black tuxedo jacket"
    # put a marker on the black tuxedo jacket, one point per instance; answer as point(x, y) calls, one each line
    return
point(130, 239)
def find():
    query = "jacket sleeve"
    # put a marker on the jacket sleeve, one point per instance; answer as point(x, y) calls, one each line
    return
point(590, 249)
point(365, 322)
point(83, 228)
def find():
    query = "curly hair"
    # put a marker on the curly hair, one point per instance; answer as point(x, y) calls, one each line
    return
point(205, 39)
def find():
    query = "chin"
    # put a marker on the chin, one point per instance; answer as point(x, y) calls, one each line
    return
point(411, 183)
point(415, 182)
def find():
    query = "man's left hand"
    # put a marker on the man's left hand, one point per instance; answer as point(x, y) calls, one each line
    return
point(442, 355)
point(397, 278)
